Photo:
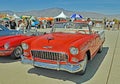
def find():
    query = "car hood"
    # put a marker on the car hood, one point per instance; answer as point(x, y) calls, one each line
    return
point(56, 41)
point(14, 39)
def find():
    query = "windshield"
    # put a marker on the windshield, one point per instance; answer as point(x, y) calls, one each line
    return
point(68, 27)
point(71, 27)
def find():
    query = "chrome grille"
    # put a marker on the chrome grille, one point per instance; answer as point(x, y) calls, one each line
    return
point(49, 55)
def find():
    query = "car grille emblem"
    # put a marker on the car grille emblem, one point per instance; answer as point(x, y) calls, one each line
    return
point(47, 47)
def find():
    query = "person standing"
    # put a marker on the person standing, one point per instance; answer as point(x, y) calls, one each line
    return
point(112, 24)
point(107, 24)
point(13, 24)
point(44, 23)
point(90, 23)
point(118, 25)
point(6, 24)
point(27, 23)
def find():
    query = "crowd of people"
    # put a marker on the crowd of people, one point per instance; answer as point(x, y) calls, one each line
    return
point(109, 24)
point(25, 24)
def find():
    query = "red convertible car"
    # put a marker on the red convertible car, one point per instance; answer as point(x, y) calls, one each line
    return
point(67, 48)
point(10, 45)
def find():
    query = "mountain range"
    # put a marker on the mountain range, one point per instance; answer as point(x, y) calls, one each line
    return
point(52, 12)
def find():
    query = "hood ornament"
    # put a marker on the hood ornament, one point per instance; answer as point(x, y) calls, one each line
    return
point(50, 38)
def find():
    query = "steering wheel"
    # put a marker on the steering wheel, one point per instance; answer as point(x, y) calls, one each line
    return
point(81, 31)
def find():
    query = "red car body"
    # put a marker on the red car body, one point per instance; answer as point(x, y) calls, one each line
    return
point(9, 44)
point(62, 51)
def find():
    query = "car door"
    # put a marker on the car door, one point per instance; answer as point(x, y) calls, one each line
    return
point(96, 44)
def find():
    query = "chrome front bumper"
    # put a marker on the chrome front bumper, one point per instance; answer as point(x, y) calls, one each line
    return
point(67, 67)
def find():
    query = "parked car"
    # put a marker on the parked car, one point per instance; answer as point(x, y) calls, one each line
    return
point(4, 31)
point(68, 48)
point(10, 45)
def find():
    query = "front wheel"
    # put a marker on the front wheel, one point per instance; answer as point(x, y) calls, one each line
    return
point(84, 66)
point(18, 51)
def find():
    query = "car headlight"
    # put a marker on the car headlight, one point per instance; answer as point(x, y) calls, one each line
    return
point(25, 46)
point(6, 45)
point(74, 50)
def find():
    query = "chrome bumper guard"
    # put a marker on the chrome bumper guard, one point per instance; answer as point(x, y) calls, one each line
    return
point(68, 67)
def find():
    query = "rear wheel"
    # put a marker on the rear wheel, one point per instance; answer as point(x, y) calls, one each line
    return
point(84, 66)
point(17, 52)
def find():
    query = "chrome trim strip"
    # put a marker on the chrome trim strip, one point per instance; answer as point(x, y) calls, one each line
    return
point(68, 67)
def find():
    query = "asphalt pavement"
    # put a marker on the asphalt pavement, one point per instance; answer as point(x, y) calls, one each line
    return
point(103, 69)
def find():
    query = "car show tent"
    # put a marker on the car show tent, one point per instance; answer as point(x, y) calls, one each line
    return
point(61, 15)
point(76, 16)
point(15, 16)
point(46, 18)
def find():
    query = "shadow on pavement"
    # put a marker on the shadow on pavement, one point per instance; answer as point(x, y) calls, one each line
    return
point(7, 59)
point(92, 67)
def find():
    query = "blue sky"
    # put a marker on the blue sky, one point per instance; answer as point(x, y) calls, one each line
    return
point(100, 6)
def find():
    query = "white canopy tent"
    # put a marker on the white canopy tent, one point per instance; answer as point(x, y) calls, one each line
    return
point(62, 15)
point(32, 18)
point(16, 17)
